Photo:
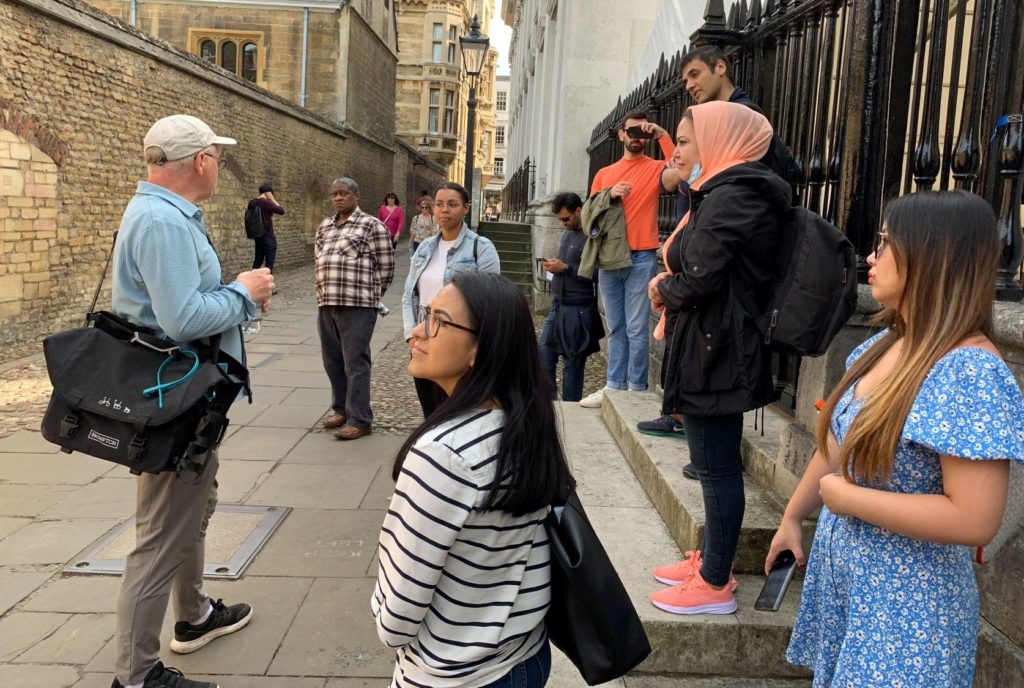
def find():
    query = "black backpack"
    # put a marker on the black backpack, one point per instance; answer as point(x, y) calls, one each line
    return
point(814, 285)
point(254, 226)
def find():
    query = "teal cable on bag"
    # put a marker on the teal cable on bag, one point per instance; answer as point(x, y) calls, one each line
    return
point(160, 387)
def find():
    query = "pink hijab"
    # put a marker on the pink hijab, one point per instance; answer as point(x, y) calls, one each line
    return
point(727, 134)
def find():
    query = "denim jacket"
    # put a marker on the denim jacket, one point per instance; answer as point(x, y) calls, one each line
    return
point(460, 259)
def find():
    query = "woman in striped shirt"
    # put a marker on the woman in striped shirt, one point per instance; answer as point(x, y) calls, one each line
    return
point(464, 580)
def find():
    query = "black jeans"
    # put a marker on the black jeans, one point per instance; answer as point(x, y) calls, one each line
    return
point(345, 333)
point(266, 252)
point(715, 451)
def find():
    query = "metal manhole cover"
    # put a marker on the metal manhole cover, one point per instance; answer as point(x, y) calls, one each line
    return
point(235, 534)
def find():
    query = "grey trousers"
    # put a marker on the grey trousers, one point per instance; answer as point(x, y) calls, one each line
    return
point(168, 559)
point(345, 333)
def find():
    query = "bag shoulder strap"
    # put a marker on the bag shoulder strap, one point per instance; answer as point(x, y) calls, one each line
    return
point(476, 241)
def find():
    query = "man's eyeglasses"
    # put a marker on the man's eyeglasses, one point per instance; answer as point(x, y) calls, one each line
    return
point(565, 220)
point(221, 160)
point(883, 243)
point(432, 323)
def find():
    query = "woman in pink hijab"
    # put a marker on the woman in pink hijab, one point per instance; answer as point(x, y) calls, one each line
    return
point(719, 262)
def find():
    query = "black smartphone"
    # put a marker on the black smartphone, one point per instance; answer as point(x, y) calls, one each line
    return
point(541, 260)
point(637, 132)
point(777, 583)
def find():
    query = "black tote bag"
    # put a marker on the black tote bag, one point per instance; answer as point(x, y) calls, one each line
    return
point(591, 619)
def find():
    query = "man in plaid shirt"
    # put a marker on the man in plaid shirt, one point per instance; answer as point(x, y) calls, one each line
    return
point(355, 262)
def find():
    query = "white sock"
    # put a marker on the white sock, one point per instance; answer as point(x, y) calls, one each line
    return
point(134, 685)
point(201, 621)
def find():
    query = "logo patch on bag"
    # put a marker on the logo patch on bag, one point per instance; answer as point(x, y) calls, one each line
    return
point(105, 440)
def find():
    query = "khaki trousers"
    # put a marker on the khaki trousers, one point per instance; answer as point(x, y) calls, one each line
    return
point(168, 560)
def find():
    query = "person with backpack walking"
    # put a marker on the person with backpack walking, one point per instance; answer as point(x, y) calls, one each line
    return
point(913, 460)
point(719, 262)
point(455, 249)
point(259, 226)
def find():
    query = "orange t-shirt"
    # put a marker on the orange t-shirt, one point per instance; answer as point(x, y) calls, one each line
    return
point(641, 205)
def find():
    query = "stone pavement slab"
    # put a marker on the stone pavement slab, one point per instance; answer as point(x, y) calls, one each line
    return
point(52, 542)
point(51, 469)
point(75, 642)
point(21, 630)
point(17, 585)
point(381, 489)
point(322, 448)
point(11, 524)
point(334, 634)
point(315, 486)
point(40, 676)
point(260, 444)
point(309, 397)
point(24, 441)
point(321, 543)
point(287, 416)
point(30, 500)
point(298, 363)
point(105, 498)
point(236, 479)
point(287, 378)
point(76, 595)
point(274, 602)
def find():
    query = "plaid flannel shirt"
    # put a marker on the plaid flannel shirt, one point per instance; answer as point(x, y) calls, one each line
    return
point(354, 261)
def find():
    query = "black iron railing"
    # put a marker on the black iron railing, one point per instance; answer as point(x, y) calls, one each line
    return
point(518, 191)
point(875, 99)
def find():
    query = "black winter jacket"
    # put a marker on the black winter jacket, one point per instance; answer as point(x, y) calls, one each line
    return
point(716, 361)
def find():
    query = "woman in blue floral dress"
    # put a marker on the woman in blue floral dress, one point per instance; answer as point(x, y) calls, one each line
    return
point(912, 468)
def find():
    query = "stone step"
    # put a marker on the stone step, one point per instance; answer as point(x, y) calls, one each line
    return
point(514, 250)
point(747, 644)
point(658, 462)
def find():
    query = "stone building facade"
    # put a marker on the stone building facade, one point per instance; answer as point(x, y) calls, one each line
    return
point(492, 191)
point(79, 89)
point(433, 91)
point(336, 58)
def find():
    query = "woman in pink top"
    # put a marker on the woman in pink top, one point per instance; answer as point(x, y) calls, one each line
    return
point(392, 215)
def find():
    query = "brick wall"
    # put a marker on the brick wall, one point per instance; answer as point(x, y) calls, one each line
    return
point(77, 103)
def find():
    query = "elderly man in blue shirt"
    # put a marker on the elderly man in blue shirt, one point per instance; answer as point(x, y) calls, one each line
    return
point(167, 276)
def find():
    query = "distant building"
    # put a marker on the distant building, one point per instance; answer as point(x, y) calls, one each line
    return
point(336, 58)
point(433, 90)
point(492, 191)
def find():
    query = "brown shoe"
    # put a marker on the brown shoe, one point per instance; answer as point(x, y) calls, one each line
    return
point(350, 432)
point(335, 420)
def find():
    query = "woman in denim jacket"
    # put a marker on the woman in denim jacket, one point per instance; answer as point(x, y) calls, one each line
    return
point(456, 249)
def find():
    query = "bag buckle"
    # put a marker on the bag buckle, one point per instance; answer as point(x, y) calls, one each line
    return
point(136, 448)
point(68, 425)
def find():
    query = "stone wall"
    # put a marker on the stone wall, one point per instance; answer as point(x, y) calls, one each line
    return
point(78, 90)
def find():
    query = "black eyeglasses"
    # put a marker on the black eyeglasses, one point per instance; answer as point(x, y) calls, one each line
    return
point(883, 243)
point(432, 323)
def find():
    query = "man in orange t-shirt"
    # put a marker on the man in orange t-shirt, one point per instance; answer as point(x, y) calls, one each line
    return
point(636, 179)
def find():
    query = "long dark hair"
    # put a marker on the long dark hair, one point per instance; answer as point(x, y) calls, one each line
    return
point(531, 468)
point(946, 246)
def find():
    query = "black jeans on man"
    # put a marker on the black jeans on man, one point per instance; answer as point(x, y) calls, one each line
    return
point(266, 252)
point(715, 451)
point(345, 333)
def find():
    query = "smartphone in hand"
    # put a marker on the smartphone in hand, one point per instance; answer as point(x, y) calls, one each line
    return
point(778, 581)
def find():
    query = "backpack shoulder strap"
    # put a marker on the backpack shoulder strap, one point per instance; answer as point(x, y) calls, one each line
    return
point(476, 241)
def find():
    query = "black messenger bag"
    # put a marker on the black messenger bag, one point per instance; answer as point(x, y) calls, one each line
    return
point(123, 394)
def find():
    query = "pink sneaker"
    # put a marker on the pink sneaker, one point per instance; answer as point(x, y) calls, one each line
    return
point(681, 571)
point(694, 597)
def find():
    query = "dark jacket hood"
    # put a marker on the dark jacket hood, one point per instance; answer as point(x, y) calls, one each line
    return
point(754, 175)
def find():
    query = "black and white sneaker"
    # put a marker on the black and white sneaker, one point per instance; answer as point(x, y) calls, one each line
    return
point(223, 620)
point(166, 677)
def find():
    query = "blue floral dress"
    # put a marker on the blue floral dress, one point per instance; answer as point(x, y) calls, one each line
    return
point(882, 609)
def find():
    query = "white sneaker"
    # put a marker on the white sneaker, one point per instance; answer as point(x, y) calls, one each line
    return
point(593, 400)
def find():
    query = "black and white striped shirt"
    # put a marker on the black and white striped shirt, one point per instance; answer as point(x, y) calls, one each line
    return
point(462, 591)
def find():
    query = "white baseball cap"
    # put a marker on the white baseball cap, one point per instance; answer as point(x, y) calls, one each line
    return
point(180, 136)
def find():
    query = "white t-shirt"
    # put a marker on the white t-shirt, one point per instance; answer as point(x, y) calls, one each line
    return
point(432, 277)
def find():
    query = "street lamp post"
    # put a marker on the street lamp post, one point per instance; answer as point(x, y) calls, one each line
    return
point(474, 52)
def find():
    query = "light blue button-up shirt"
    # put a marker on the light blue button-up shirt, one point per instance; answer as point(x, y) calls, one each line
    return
point(167, 275)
